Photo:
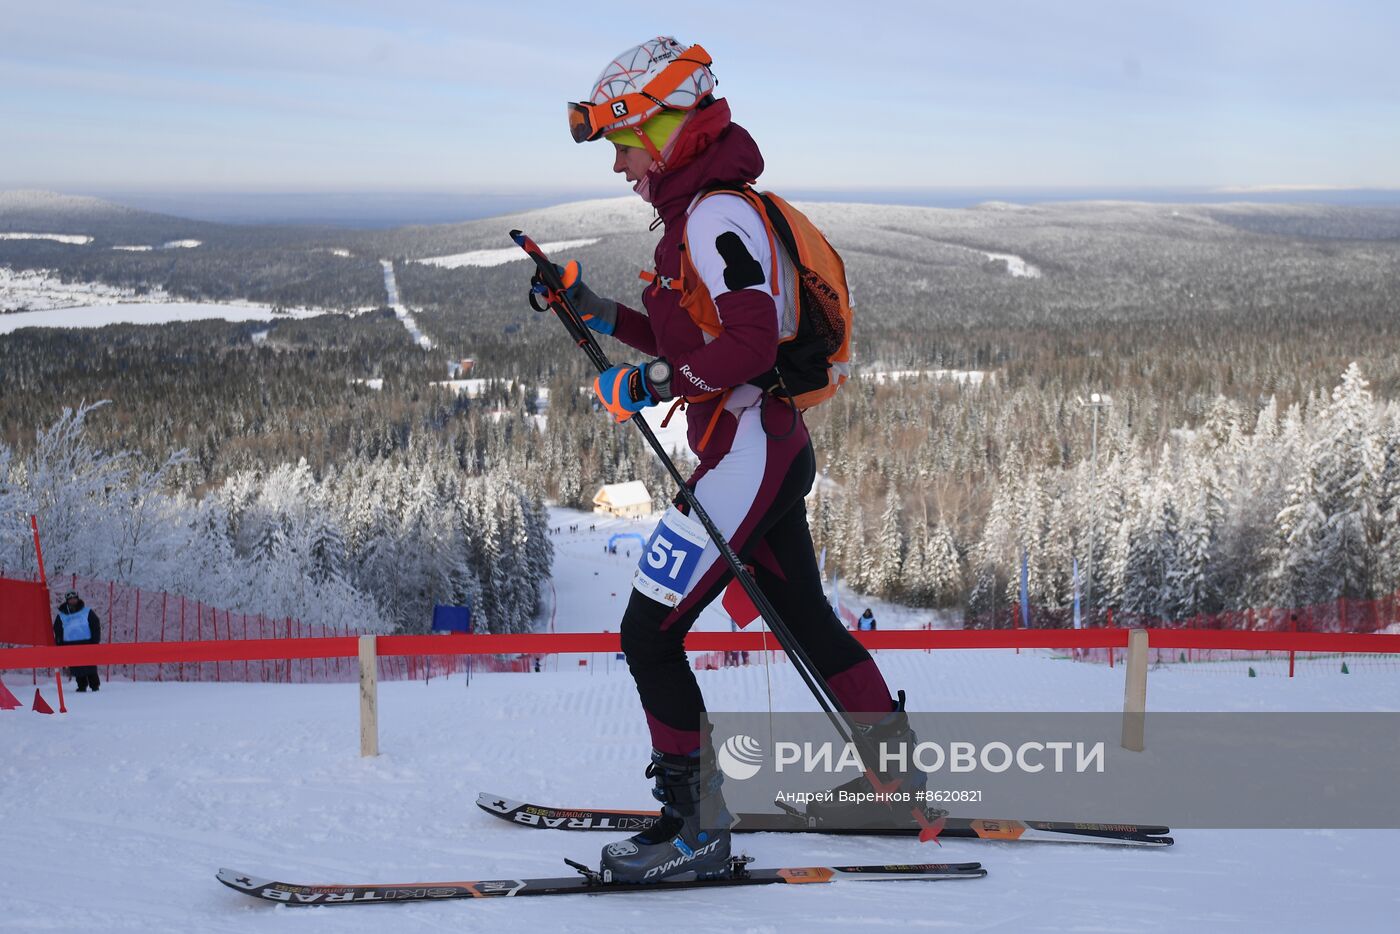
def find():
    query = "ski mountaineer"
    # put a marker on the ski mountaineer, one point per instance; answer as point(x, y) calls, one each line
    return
point(675, 141)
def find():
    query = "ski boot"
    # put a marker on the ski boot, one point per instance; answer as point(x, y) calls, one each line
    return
point(859, 811)
point(694, 831)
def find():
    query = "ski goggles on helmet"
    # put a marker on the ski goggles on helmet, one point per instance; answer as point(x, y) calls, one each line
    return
point(588, 121)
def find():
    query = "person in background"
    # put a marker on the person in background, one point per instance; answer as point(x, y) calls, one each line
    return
point(75, 624)
point(866, 621)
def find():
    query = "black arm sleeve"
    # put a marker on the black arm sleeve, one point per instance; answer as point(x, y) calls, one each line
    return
point(96, 625)
point(57, 630)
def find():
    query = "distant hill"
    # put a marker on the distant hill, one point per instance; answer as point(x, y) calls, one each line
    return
point(112, 224)
point(200, 260)
point(912, 269)
point(51, 203)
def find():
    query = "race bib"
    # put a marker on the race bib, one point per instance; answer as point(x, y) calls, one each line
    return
point(671, 557)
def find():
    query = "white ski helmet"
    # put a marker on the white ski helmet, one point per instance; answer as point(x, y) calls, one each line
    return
point(659, 74)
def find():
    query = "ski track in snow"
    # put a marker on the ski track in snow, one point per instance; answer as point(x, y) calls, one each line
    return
point(117, 814)
point(400, 310)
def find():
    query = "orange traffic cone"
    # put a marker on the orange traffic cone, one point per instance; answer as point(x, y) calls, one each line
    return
point(8, 701)
point(41, 705)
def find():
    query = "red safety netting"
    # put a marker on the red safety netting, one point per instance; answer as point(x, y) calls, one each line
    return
point(24, 613)
point(131, 614)
point(1381, 615)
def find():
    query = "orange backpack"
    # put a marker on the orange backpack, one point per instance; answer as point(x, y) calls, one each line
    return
point(814, 337)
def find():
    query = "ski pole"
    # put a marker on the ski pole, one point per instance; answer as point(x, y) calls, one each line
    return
point(558, 301)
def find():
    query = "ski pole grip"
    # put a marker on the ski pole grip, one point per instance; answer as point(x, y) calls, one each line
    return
point(548, 274)
point(559, 302)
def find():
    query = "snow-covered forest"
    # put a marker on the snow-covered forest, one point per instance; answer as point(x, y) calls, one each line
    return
point(1249, 508)
point(372, 543)
point(1228, 472)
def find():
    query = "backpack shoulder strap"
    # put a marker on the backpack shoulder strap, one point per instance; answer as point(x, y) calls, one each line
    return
point(760, 205)
point(680, 283)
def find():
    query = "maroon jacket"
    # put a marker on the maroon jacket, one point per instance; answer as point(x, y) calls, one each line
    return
point(712, 152)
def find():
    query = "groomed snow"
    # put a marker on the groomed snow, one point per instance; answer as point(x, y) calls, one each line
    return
point(1016, 266)
point(971, 377)
point(40, 289)
point(171, 245)
point(500, 257)
point(471, 388)
point(673, 436)
point(96, 316)
point(117, 814)
point(76, 239)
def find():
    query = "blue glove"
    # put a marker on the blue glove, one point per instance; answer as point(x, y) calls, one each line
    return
point(623, 390)
point(600, 314)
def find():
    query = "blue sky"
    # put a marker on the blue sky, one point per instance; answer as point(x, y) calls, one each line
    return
point(423, 95)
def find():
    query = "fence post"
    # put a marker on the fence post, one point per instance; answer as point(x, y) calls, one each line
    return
point(182, 634)
point(111, 623)
point(1135, 691)
point(1293, 627)
point(369, 697)
point(131, 669)
point(164, 599)
point(1110, 648)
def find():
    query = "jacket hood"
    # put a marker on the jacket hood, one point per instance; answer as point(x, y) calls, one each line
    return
point(711, 151)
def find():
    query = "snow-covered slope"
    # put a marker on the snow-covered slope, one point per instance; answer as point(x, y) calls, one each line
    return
point(117, 814)
point(96, 316)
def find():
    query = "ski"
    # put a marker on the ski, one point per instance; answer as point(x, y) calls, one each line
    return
point(587, 882)
point(523, 814)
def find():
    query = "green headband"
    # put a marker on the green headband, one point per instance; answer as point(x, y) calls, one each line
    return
point(659, 129)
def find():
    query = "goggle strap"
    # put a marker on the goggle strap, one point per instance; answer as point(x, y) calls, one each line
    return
point(656, 92)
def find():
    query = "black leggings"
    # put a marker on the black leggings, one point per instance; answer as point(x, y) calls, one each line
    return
point(656, 656)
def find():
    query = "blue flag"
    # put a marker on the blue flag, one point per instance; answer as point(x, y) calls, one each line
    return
point(452, 618)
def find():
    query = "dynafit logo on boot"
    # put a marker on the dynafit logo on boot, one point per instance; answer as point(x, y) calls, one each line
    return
point(740, 757)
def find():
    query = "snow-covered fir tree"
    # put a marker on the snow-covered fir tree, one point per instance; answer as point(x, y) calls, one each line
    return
point(886, 578)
